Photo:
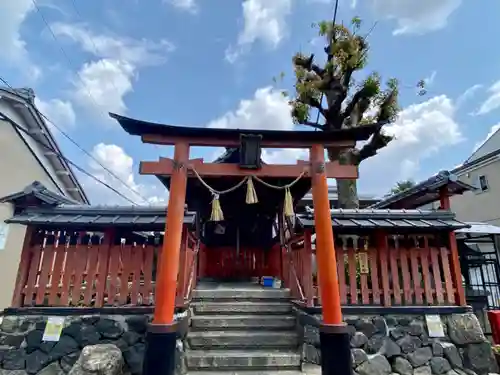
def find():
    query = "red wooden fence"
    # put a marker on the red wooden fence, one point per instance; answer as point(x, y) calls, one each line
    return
point(68, 269)
point(400, 270)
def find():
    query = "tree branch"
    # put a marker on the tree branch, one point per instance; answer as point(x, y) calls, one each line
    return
point(307, 64)
point(362, 93)
point(314, 103)
point(378, 141)
point(313, 124)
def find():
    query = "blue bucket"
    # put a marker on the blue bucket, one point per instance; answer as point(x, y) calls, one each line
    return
point(267, 281)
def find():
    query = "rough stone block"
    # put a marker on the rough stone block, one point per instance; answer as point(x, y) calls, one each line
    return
point(465, 329)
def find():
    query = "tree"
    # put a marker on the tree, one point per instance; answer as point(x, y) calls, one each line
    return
point(402, 186)
point(331, 89)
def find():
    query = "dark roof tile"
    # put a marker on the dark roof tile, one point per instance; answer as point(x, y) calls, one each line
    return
point(139, 218)
point(39, 191)
point(425, 192)
point(415, 220)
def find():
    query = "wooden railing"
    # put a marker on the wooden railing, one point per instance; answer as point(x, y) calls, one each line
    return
point(188, 267)
point(297, 268)
point(386, 270)
point(82, 269)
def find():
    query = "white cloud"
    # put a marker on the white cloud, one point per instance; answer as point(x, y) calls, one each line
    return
point(263, 21)
point(13, 14)
point(284, 156)
point(101, 85)
point(468, 94)
point(492, 131)
point(58, 111)
point(139, 52)
point(493, 100)
point(429, 81)
point(416, 17)
point(421, 131)
point(268, 109)
point(121, 165)
point(185, 5)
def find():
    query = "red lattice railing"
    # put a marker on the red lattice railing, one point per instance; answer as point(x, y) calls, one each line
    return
point(83, 269)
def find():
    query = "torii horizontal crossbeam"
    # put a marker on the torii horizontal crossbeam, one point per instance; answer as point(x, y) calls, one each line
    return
point(166, 166)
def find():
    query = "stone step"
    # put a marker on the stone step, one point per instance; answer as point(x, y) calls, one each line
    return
point(241, 360)
point(250, 322)
point(242, 339)
point(247, 372)
point(245, 307)
point(241, 294)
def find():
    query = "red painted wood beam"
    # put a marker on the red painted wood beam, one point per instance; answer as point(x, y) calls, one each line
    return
point(165, 167)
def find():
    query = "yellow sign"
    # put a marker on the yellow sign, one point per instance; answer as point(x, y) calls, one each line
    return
point(53, 329)
point(363, 263)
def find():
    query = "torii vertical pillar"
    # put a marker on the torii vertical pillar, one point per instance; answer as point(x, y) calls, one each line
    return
point(334, 337)
point(161, 337)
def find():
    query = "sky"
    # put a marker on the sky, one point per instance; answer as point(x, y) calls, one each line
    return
point(212, 62)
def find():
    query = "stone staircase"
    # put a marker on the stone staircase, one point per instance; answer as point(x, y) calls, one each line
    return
point(242, 329)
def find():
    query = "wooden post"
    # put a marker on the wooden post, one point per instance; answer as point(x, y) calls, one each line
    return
point(456, 273)
point(325, 246)
point(104, 256)
point(334, 338)
point(24, 266)
point(166, 280)
point(307, 269)
point(161, 337)
point(183, 264)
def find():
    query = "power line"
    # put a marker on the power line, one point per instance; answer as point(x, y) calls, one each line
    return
point(81, 148)
point(96, 50)
point(58, 154)
point(335, 9)
point(63, 51)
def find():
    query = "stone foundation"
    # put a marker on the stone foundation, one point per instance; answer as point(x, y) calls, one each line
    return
point(385, 344)
point(22, 350)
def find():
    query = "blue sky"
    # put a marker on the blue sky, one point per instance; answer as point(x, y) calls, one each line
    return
point(187, 62)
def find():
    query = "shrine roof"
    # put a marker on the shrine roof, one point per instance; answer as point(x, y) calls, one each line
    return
point(368, 218)
point(40, 192)
point(425, 192)
point(139, 127)
point(96, 217)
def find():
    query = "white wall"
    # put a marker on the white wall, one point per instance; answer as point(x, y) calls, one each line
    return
point(18, 168)
point(480, 206)
point(15, 156)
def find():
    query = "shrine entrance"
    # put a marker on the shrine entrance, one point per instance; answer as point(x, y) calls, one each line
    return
point(241, 235)
point(211, 188)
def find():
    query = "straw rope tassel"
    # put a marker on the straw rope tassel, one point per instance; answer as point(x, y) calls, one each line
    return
point(217, 214)
point(251, 193)
point(288, 206)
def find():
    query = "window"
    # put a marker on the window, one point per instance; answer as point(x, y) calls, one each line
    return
point(483, 183)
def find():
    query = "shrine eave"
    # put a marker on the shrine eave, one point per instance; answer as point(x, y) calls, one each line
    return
point(169, 134)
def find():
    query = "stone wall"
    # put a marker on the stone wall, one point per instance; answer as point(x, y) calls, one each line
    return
point(385, 344)
point(22, 350)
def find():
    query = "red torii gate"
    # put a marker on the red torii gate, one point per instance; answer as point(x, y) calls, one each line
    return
point(161, 338)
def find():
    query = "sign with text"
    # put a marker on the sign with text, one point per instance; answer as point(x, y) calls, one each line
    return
point(53, 329)
point(434, 325)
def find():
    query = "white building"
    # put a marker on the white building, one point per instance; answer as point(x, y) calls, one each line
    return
point(30, 165)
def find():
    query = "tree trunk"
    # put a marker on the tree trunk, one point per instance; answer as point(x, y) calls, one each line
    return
point(347, 190)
